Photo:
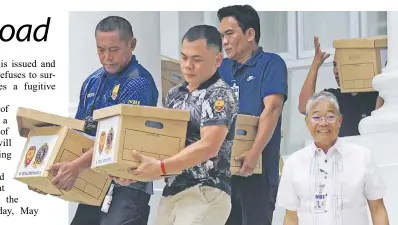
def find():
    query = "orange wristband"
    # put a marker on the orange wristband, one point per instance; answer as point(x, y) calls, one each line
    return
point(162, 168)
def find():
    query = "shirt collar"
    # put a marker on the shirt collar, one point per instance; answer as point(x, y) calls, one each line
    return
point(132, 62)
point(212, 80)
point(338, 146)
point(252, 60)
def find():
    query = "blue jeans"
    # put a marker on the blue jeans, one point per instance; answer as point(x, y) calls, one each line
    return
point(128, 207)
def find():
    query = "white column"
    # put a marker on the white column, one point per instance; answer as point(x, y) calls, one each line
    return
point(379, 132)
point(83, 58)
point(385, 119)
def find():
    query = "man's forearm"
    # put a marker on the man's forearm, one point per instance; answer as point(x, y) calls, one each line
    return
point(308, 88)
point(266, 127)
point(84, 161)
point(380, 217)
point(290, 219)
point(192, 155)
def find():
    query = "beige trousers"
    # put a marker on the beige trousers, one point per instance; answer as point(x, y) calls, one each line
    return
point(195, 206)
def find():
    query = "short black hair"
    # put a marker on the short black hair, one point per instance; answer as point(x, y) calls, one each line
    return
point(116, 23)
point(206, 32)
point(246, 16)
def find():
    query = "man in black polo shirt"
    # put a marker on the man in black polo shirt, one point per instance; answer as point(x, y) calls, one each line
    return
point(353, 106)
point(201, 194)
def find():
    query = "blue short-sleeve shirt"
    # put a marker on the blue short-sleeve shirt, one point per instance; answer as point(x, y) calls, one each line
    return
point(133, 85)
point(262, 75)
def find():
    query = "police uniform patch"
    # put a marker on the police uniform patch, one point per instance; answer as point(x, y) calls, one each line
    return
point(41, 154)
point(219, 105)
point(109, 140)
point(101, 142)
point(29, 155)
point(115, 91)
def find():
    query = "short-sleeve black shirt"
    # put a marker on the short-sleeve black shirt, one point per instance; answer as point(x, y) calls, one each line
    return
point(211, 104)
point(354, 108)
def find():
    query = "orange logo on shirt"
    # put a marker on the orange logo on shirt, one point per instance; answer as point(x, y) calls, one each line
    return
point(219, 105)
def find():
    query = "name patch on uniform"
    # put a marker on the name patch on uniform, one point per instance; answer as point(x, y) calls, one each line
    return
point(134, 102)
point(219, 105)
point(90, 95)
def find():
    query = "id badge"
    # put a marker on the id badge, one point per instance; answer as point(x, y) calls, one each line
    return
point(235, 89)
point(320, 201)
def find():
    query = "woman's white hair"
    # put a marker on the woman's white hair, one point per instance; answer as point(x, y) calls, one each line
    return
point(322, 96)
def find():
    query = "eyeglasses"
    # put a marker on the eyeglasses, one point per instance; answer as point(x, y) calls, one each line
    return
point(318, 119)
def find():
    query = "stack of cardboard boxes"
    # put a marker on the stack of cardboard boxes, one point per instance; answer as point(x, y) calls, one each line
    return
point(55, 139)
point(153, 131)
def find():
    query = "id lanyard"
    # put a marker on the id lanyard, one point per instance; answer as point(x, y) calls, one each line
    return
point(314, 184)
point(337, 196)
point(97, 92)
point(337, 200)
point(235, 89)
point(108, 200)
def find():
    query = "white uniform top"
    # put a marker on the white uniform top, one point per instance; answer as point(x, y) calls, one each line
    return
point(349, 176)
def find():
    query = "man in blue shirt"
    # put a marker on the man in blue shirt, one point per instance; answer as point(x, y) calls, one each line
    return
point(121, 80)
point(259, 81)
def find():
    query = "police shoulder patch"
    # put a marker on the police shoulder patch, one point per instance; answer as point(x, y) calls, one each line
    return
point(219, 105)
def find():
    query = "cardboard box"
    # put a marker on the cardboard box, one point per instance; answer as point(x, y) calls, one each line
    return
point(31, 118)
point(358, 61)
point(171, 75)
point(153, 131)
point(245, 133)
point(46, 146)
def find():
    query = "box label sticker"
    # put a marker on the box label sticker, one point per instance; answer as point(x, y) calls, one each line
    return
point(105, 141)
point(36, 157)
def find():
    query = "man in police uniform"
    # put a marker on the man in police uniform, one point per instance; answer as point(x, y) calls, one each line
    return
point(259, 80)
point(353, 106)
point(331, 181)
point(201, 194)
point(121, 80)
